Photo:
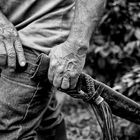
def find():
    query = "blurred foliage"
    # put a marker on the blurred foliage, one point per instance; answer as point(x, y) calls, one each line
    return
point(115, 45)
point(114, 58)
point(129, 83)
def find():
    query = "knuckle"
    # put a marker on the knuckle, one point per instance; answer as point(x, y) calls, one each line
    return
point(11, 32)
point(53, 63)
point(60, 69)
point(11, 54)
point(19, 51)
point(65, 83)
point(18, 44)
point(15, 33)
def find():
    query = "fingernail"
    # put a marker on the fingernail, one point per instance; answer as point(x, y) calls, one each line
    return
point(22, 64)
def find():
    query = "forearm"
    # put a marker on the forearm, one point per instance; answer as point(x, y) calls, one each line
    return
point(87, 15)
point(3, 19)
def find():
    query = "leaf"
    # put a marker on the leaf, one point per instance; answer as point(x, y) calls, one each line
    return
point(117, 87)
point(129, 48)
point(86, 132)
point(137, 33)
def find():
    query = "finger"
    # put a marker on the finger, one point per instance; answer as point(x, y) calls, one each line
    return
point(58, 76)
point(52, 69)
point(74, 75)
point(46, 50)
point(20, 53)
point(73, 82)
point(65, 82)
point(57, 80)
point(10, 53)
point(3, 55)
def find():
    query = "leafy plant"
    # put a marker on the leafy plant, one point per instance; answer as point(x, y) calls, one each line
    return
point(115, 45)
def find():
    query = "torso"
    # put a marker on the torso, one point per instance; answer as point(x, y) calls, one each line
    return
point(41, 23)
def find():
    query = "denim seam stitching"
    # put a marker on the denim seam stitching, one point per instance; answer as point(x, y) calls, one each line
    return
point(28, 105)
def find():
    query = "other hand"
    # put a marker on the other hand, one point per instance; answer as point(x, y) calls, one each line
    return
point(11, 49)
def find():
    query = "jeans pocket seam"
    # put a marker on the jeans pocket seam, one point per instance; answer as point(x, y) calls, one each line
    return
point(28, 105)
point(26, 112)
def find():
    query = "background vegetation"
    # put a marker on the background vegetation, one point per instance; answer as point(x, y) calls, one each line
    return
point(114, 58)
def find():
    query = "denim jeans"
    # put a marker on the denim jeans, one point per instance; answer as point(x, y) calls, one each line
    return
point(26, 108)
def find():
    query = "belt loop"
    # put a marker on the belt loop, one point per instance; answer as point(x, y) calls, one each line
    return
point(41, 72)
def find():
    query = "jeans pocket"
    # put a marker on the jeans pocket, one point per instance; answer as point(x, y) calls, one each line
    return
point(19, 91)
point(23, 99)
point(14, 100)
point(21, 107)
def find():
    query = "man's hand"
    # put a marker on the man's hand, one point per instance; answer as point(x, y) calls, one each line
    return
point(10, 47)
point(11, 51)
point(66, 63)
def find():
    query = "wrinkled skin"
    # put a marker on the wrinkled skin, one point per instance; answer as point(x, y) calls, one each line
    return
point(10, 46)
point(66, 64)
point(67, 59)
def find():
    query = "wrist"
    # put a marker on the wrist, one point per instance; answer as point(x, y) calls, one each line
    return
point(79, 42)
point(79, 46)
point(4, 20)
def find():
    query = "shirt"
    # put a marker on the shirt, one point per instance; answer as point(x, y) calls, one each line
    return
point(40, 23)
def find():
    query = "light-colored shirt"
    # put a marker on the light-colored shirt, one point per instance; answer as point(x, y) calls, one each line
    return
point(40, 23)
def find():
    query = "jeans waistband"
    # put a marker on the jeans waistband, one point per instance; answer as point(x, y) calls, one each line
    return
point(36, 68)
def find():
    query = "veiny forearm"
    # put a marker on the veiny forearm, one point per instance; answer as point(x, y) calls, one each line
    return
point(87, 15)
